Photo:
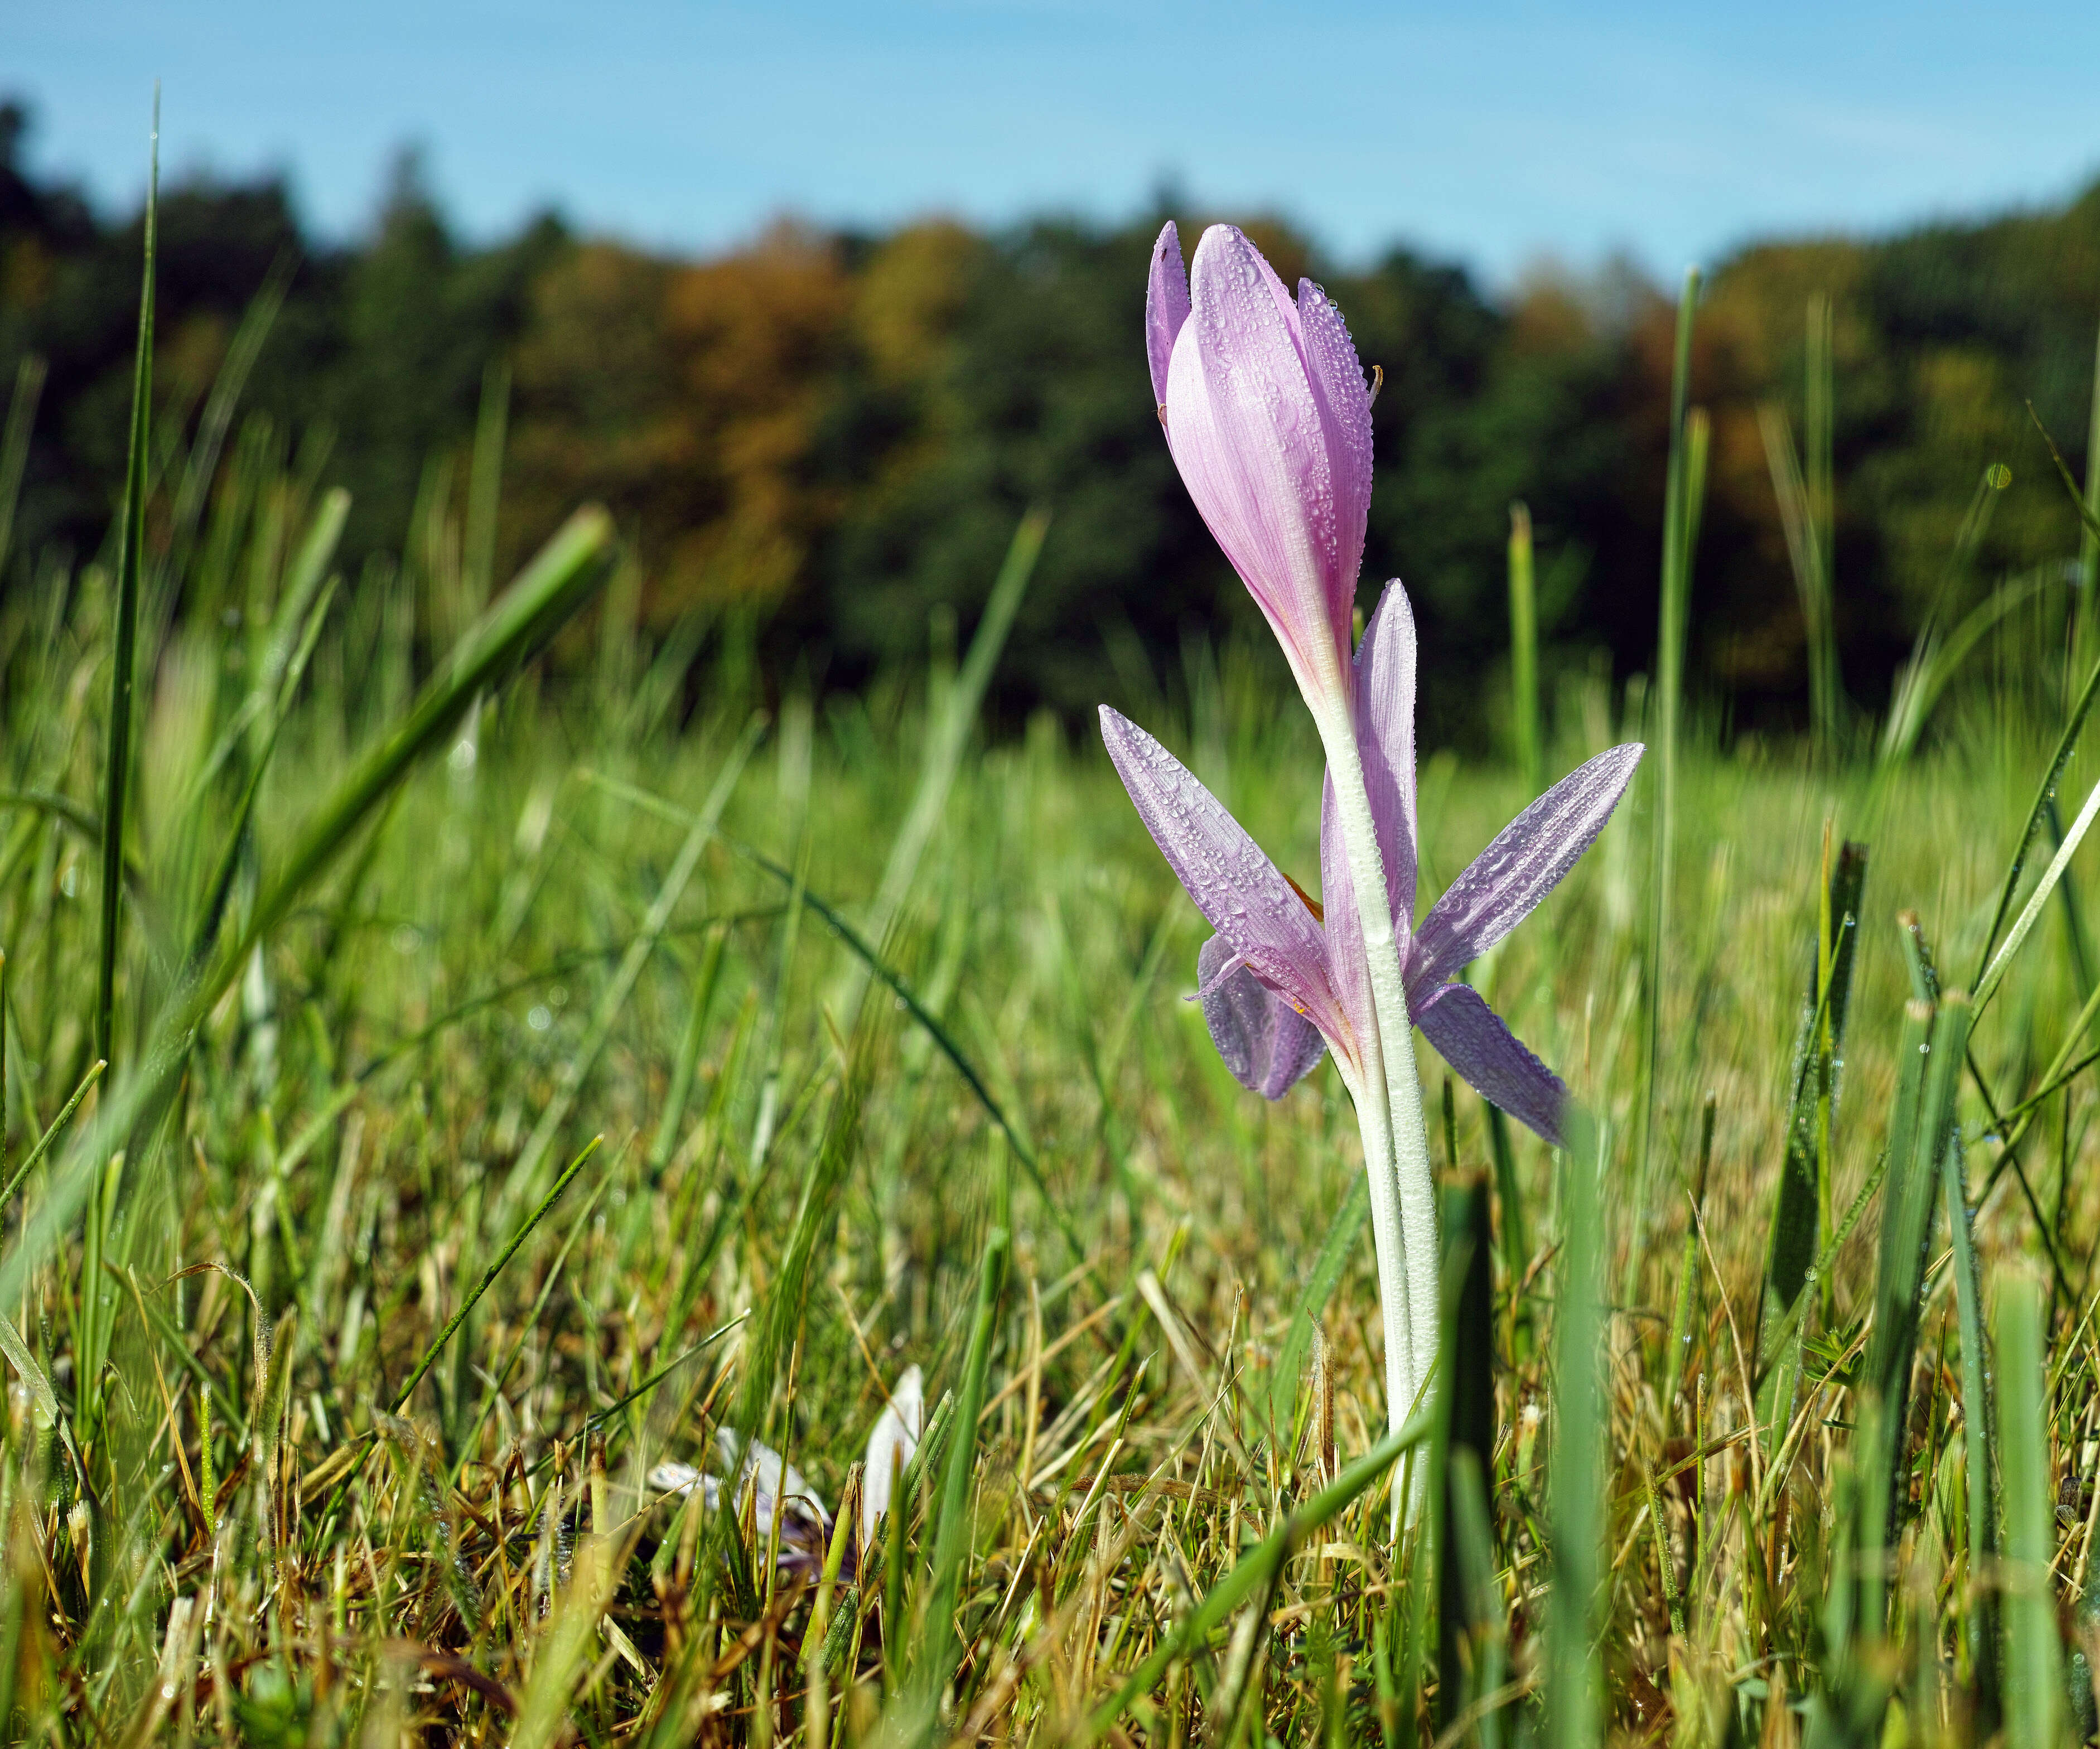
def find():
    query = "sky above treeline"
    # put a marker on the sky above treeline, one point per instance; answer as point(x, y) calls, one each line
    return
point(1495, 134)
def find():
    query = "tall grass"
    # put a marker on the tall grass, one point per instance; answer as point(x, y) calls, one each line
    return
point(336, 1412)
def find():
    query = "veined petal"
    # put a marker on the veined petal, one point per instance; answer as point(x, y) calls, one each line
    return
point(1249, 439)
point(1492, 1059)
point(1248, 900)
point(1267, 1044)
point(1165, 307)
point(1385, 737)
point(1344, 401)
point(1524, 864)
point(1348, 967)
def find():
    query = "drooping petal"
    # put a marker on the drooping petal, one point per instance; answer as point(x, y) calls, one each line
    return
point(1385, 738)
point(1492, 1059)
point(1344, 401)
point(779, 1483)
point(1248, 437)
point(1524, 864)
point(889, 1449)
point(673, 1477)
point(1248, 902)
point(1267, 1044)
point(1165, 307)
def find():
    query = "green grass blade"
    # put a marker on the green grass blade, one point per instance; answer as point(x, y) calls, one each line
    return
point(1684, 1314)
point(1574, 1692)
point(14, 445)
point(1801, 1212)
point(43, 1142)
point(516, 627)
point(1981, 1458)
point(1345, 1232)
point(672, 1118)
point(1524, 653)
point(488, 1275)
point(941, 1646)
point(1467, 1402)
point(124, 649)
point(1679, 518)
point(1920, 1124)
point(2033, 1653)
point(2030, 914)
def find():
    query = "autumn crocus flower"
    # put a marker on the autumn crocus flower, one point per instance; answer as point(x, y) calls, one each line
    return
point(1269, 416)
point(1267, 412)
point(1283, 982)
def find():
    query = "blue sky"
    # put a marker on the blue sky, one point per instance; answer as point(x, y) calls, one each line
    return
point(1495, 134)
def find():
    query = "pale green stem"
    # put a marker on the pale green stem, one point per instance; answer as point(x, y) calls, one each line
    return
point(1388, 1097)
point(1413, 1185)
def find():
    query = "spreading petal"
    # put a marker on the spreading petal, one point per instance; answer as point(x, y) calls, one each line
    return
point(1248, 902)
point(1524, 864)
point(1385, 738)
point(1250, 438)
point(1469, 1036)
point(889, 1449)
point(1165, 307)
point(1267, 1044)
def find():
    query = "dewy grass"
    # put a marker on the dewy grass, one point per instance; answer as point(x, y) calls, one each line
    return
point(404, 1492)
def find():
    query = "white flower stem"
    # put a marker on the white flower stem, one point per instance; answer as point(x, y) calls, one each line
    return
point(1396, 1144)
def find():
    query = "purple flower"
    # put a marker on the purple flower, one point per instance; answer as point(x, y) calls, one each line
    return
point(1269, 420)
point(1280, 981)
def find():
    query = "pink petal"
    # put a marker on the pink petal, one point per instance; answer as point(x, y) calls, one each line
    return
point(1344, 401)
point(1492, 1059)
point(1524, 863)
point(1165, 307)
point(1385, 737)
point(1250, 440)
point(1248, 901)
point(1348, 968)
point(1267, 1044)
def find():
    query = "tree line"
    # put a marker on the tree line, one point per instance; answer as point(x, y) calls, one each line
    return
point(835, 432)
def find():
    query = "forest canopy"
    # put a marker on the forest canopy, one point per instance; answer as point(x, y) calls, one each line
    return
point(837, 430)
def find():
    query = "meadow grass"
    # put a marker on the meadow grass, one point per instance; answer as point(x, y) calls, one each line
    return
point(523, 1076)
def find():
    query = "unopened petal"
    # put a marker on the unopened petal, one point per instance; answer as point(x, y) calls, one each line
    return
point(1165, 307)
point(1248, 436)
point(1524, 863)
point(1267, 1044)
point(1492, 1059)
point(1247, 900)
point(1344, 402)
point(889, 1448)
